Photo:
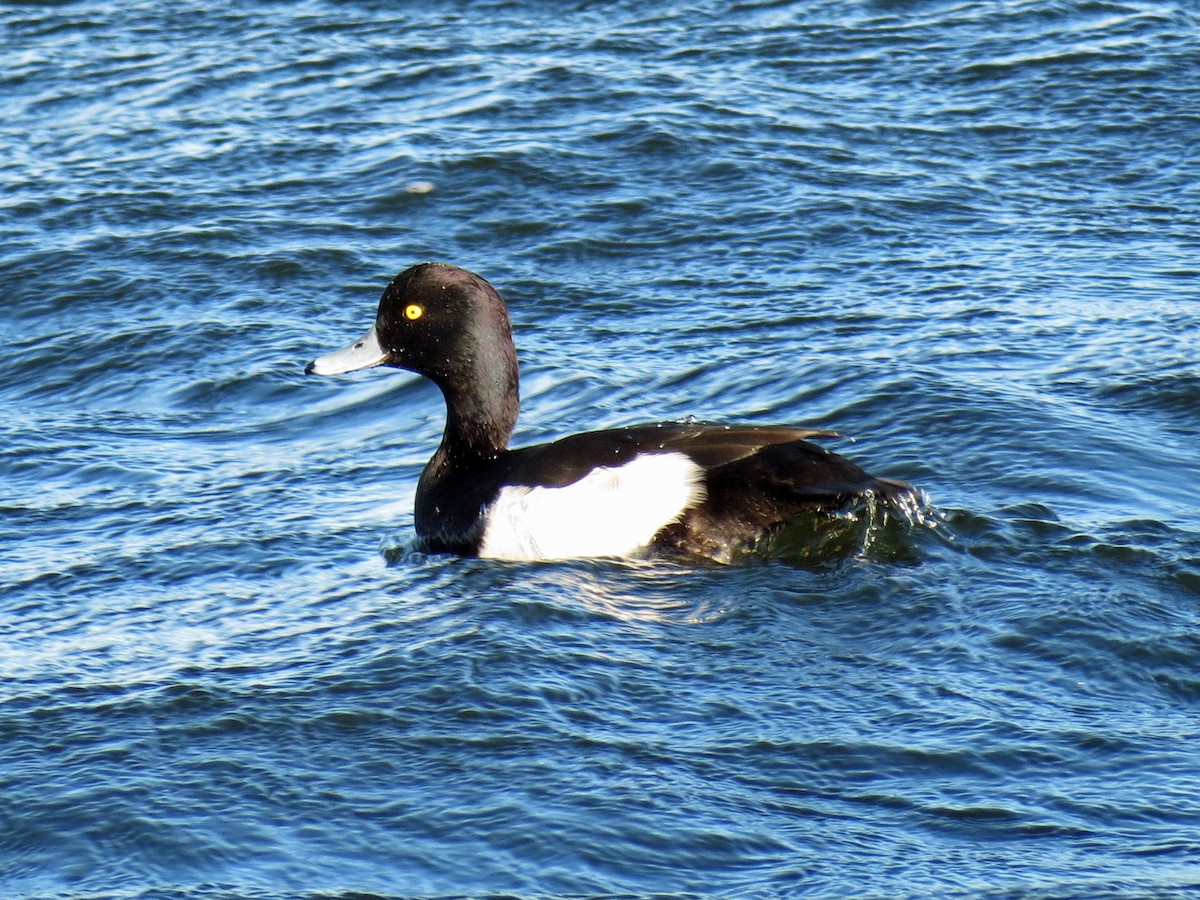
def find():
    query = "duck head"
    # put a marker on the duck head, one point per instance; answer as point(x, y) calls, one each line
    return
point(451, 326)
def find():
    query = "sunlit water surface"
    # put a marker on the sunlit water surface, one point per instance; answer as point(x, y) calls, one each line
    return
point(963, 234)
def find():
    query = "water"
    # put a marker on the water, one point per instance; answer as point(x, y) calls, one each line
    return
point(964, 234)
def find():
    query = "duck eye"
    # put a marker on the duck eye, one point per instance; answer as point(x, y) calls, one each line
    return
point(413, 311)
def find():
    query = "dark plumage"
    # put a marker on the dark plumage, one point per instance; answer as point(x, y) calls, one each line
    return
point(695, 489)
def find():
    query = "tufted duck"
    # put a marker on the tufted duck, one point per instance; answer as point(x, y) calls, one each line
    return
point(699, 490)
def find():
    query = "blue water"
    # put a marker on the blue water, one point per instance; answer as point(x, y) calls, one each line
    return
point(964, 234)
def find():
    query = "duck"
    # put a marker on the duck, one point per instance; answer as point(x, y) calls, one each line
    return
point(697, 490)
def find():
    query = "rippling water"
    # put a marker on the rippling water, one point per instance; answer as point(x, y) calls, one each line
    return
point(963, 233)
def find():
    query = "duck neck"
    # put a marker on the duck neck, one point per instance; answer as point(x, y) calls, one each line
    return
point(481, 409)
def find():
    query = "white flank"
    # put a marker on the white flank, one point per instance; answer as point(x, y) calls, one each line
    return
point(608, 512)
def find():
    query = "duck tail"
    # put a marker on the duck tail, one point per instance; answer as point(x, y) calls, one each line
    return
point(896, 493)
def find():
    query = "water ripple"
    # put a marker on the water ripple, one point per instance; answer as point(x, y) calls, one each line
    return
point(961, 234)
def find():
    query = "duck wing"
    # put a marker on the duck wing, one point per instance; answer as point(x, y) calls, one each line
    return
point(710, 446)
point(750, 498)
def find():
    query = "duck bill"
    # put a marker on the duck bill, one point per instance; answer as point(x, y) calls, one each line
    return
point(365, 353)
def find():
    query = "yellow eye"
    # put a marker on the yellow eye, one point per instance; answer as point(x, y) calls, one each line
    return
point(412, 312)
